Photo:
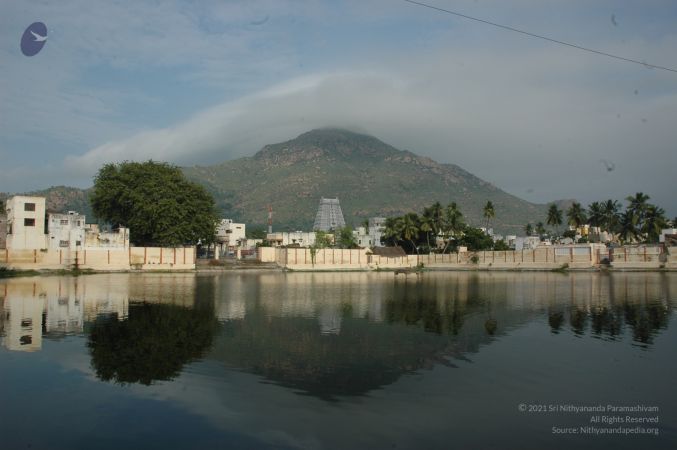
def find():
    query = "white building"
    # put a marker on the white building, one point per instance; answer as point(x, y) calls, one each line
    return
point(27, 228)
point(527, 243)
point(66, 230)
point(229, 235)
point(371, 236)
point(25, 222)
point(293, 238)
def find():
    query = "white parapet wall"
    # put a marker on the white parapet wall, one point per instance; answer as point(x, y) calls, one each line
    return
point(588, 256)
point(115, 259)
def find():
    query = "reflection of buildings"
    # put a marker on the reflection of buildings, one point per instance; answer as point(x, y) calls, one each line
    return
point(50, 307)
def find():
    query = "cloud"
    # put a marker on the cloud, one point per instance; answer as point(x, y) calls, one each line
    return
point(521, 113)
point(515, 120)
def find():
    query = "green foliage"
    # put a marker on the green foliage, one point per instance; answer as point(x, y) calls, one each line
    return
point(569, 234)
point(345, 238)
point(153, 343)
point(576, 215)
point(475, 239)
point(489, 212)
point(501, 246)
point(322, 240)
point(156, 202)
point(528, 229)
point(554, 216)
point(255, 233)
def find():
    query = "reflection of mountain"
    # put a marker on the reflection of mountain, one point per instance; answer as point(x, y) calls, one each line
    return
point(351, 342)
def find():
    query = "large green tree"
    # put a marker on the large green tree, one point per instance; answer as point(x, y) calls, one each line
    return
point(156, 202)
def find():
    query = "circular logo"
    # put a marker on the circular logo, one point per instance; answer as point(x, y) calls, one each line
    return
point(33, 39)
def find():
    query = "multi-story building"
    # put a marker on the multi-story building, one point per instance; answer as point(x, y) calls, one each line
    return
point(229, 235)
point(293, 238)
point(25, 222)
point(371, 236)
point(66, 230)
point(27, 228)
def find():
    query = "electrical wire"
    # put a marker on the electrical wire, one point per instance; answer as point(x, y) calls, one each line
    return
point(538, 36)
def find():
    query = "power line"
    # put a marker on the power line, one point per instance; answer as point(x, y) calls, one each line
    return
point(545, 38)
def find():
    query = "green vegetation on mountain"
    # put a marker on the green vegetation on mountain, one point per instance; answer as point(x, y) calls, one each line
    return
point(370, 177)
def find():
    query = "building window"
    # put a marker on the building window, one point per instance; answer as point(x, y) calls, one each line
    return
point(63, 243)
point(77, 243)
point(29, 222)
point(29, 206)
point(64, 221)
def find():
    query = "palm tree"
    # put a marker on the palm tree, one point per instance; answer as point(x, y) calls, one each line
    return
point(489, 212)
point(595, 214)
point(627, 227)
point(576, 215)
point(427, 224)
point(437, 213)
point(540, 229)
point(410, 228)
point(554, 216)
point(528, 229)
point(637, 205)
point(610, 215)
point(393, 230)
point(654, 222)
point(365, 224)
point(453, 222)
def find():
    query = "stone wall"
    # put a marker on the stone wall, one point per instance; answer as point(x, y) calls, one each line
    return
point(133, 258)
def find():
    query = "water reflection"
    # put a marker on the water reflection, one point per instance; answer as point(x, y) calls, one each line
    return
point(321, 334)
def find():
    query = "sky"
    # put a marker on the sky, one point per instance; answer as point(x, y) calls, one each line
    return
point(202, 82)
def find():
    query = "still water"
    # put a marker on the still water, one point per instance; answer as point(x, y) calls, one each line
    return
point(338, 360)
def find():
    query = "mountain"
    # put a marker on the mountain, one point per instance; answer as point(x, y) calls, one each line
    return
point(370, 178)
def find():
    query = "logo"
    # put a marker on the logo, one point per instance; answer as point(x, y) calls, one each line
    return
point(33, 39)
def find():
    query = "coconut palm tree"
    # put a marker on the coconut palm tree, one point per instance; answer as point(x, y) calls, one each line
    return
point(637, 205)
point(540, 229)
point(576, 215)
point(610, 215)
point(427, 225)
point(627, 227)
point(410, 228)
point(489, 212)
point(654, 222)
point(595, 214)
point(528, 229)
point(393, 230)
point(554, 216)
point(453, 222)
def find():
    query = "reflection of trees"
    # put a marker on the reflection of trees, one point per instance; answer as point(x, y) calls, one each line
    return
point(152, 343)
point(556, 320)
point(578, 319)
point(645, 320)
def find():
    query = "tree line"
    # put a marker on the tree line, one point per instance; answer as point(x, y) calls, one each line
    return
point(640, 221)
point(416, 233)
